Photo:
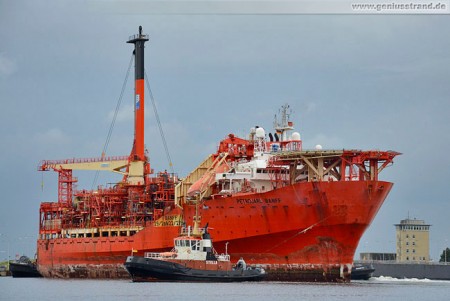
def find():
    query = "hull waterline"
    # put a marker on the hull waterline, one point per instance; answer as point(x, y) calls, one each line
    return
point(293, 236)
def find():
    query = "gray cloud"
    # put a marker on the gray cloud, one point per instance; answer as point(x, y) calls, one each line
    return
point(7, 65)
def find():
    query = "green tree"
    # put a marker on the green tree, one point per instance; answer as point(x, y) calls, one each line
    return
point(445, 256)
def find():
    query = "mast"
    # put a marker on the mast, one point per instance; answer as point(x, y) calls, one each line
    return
point(138, 153)
point(283, 125)
point(137, 165)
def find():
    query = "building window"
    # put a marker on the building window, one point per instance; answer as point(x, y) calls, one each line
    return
point(407, 250)
point(407, 258)
point(414, 236)
point(414, 243)
point(407, 243)
point(414, 250)
point(407, 236)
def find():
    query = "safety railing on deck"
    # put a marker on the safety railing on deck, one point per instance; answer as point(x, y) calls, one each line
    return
point(44, 163)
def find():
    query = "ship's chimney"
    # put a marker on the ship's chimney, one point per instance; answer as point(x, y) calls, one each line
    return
point(138, 153)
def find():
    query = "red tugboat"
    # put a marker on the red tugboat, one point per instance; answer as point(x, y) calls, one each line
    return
point(299, 214)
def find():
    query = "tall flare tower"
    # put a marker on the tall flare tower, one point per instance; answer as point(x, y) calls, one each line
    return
point(137, 157)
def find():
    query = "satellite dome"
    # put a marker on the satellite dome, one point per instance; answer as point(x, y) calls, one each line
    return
point(260, 133)
point(318, 147)
point(295, 136)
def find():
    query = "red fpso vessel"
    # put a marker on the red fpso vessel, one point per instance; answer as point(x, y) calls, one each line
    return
point(297, 213)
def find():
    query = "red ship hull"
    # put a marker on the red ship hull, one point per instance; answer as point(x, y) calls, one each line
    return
point(307, 231)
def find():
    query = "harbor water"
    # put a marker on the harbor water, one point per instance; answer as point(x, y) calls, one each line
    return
point(378, 288)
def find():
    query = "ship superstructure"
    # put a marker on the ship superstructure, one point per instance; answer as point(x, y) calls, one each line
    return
point(299, 214)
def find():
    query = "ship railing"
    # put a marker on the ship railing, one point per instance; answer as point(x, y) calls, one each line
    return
point(138, 36)
point(82, 160)
point(152, 255)
point(163, 255)
point(189, 230)
point(223, 257)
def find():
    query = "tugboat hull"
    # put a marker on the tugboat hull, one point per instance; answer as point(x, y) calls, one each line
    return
point(23, 270)
point(362, 271)
point(146, 269)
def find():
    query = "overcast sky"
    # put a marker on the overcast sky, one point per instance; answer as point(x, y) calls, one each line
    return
point(353, 81)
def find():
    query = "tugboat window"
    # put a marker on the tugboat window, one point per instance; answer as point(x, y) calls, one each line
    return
point(195, 246)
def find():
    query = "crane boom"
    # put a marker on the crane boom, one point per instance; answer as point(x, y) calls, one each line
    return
point(113, 164)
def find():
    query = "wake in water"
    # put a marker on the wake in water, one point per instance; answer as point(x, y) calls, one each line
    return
point(391, 279)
